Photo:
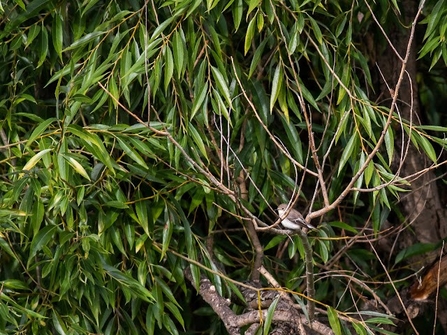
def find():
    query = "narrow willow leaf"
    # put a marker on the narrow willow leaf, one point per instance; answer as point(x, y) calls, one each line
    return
point(32, 34)
point(249, 35)
point(43, 237)
point(334, 321)
point(126, 281)
point(131, 152)
point(14, 284)
point(198, 100)
point(416, 249)
point(197, 139)
point(428, 148)
point(219, 106)
point(58, 34)
point(84, 40)
point(117, 239)
point(88, 5)
point(179, 52)
point(168, 68)
point(359, 328)
point(167, 233)
point(43, 47)
point(381, 319)
point(283, 104)
point(77, 167)
point(162, 26)
point(141, 209)
point(343, 226)
point(269, 316)
point(260, 22)
point(296, 145)
point(323, 250)
point(294, 38)
point(257, 57)
point(348, 151)
point(114, 92)
point(37, 217)
point(58, 323)
point(6, 248)
point(316, 30)
point(308, 96)
point(384, 200)
point(276, 85)
point(221, 84)
point(359, 181)
point(39, 130)
point(434, 19)
point(94, 144)
point(342, 125)
point(176, 312)
point(252, 5)
point(237, 13)
point(34, 160)
point(389, 144)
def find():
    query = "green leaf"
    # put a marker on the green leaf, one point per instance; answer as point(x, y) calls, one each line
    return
point(43, 46)
point(58, 323)
point(169, 67)
point(296, 146)
point(14, 284)
point(237, 13)
point(39, 130)
point(278, 78)
point(32, 34)
point(414, 250)
point(5, 246)
point(162, 26)
point(389, 144)
point(343, 226)
point(58, 34)
point(380, 320)
point(428, 148)
point(334, 321)
point(127, 281)
point(252, 5)
point(84, 40)
point(179, 52)
point(95, 145)
point(221, 84)
point(176, 312)
point(167, 233)
point(199, 100)
point(197, 140)
point(348, 151)
point(360, 330)
point(132, 153)
point(249, 35)
point(269, 316)
point(76, 166)
point(257, 57)
point(34, 160)
point(43, 237)
point(316, 29)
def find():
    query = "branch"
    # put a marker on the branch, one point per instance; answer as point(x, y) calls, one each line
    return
point(373, 153)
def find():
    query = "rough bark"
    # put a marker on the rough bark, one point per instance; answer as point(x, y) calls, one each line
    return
point(422, 207)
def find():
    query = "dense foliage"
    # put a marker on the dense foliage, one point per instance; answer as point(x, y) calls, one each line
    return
point(140, 139)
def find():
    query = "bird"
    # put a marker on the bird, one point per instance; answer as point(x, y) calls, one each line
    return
point(294, 220)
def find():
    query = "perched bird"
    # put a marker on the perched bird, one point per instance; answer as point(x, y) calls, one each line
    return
point(294, 220)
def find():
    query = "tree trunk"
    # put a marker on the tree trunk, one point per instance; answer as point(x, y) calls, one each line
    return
point(421, 207)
